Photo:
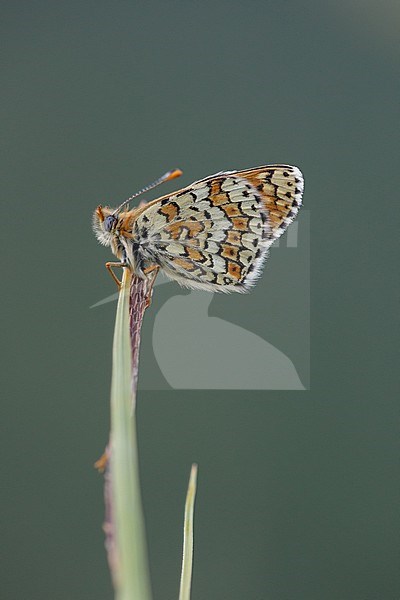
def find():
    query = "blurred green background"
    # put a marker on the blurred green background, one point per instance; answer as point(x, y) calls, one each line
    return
point(297, 490)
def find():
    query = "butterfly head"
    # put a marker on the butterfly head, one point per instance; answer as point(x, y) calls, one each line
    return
point(105, 219)
point(105, 224)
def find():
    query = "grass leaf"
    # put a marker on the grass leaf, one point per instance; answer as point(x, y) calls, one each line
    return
point(187, 560)
point(131, 576)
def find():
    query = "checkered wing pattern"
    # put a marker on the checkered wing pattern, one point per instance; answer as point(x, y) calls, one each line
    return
point(215, 234)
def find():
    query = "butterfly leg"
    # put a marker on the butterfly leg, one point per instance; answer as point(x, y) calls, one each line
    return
point(109, 266)
point(154, 269)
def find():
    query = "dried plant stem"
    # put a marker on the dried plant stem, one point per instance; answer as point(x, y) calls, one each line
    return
point(137, 306)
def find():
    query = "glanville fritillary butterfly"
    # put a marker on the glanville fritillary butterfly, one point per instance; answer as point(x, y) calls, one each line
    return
point(212, 235)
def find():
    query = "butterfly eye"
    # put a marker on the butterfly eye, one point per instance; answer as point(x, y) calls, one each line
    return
point(110, 222)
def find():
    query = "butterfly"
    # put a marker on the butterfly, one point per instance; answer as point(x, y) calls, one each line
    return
point(212, 235)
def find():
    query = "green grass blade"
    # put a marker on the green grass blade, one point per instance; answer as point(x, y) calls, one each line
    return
point(132, 575)
point(187, 561)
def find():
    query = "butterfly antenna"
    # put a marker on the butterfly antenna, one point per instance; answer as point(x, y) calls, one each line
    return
point(166, 177)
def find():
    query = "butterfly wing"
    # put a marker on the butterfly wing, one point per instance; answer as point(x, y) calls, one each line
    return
point(215, 234)
point(281, 188)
